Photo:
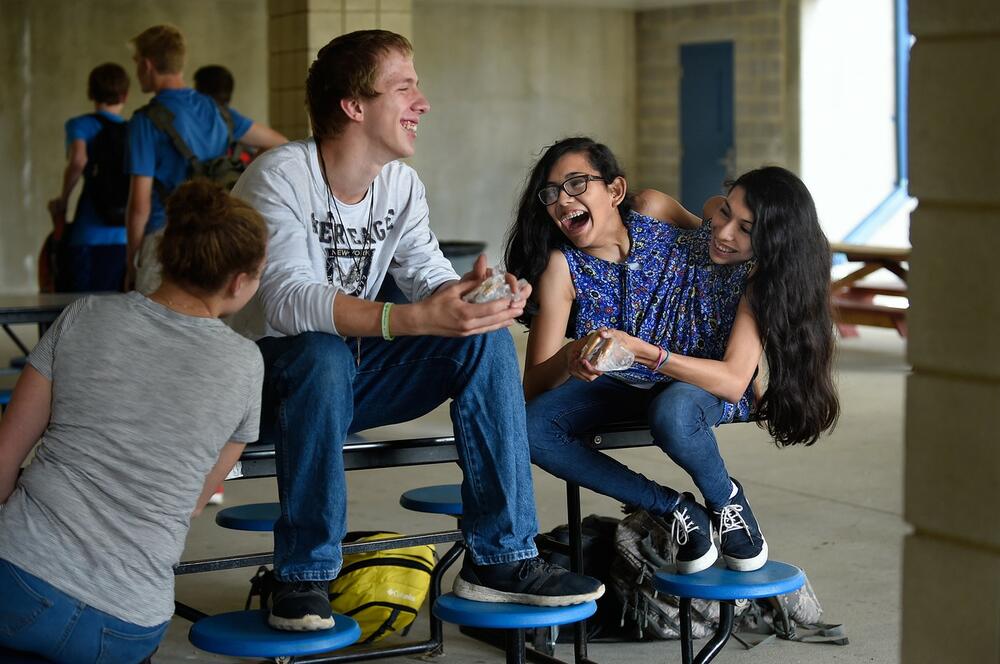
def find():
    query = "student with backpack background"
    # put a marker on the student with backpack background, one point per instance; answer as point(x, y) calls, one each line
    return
point(180, 134)
point(217, 82)
point(88, 254)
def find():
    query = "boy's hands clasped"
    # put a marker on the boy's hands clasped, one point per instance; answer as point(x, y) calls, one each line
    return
point(446, 314)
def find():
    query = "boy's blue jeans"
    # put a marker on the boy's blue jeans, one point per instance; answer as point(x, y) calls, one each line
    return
point(37, 618)
point(680, 416)
point(316, 393)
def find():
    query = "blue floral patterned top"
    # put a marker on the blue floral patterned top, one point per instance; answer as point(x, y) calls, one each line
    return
point(672, 295)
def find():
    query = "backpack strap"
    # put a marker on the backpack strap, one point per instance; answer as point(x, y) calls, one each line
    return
point(163, 119)
point(234, 148)
point(105, 123)
point(228, 117)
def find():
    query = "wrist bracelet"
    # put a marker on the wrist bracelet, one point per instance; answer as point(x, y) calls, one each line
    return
point(386, 333)
point(663, 358)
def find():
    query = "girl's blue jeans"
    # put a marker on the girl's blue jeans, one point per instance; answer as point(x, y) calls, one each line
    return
point(316, 393)
point(37, 618)
point(680, 416)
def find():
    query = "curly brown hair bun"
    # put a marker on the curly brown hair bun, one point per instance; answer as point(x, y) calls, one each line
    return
point(210, 236)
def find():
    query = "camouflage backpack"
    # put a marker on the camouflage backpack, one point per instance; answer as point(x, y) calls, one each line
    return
point(224, 170)
point(644, 546)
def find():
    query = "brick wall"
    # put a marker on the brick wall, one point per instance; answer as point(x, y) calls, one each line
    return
point(765, 120)
point(297, 29)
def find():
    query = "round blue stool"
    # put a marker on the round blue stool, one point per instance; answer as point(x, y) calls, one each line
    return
point(255, 516)
point(726, 586)
point(514, 618)
point(437, 499)
point(247, 634)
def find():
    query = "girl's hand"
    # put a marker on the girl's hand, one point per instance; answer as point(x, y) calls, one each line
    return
point(576, 365)
point(625, 340)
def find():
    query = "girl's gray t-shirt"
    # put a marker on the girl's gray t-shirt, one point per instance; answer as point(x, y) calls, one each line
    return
point(143, 400)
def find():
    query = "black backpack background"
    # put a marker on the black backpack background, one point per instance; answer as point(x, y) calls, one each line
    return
point(598, 543)
point(106, 178)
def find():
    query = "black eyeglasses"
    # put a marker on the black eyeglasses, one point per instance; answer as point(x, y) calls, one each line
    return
point(573, 186)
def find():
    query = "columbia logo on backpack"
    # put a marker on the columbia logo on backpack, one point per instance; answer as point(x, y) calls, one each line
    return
point(382, 590)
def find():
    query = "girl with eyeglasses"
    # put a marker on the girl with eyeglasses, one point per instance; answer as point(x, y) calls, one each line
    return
point(698, 303)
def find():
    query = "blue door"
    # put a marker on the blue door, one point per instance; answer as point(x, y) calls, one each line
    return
point(707, 155)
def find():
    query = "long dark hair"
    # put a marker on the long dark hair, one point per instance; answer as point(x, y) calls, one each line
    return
point(534, 235)
point(789, 294)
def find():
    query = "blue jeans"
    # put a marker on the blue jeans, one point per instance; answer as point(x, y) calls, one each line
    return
point(315, 394)
point(680, 416)
point(37, 618)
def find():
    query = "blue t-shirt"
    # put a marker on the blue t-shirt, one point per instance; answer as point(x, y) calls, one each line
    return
point(671, 293)
point(199, 123)
point(87, 226)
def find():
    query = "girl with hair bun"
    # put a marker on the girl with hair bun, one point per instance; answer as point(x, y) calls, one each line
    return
point(698, 304)
point(140, 406)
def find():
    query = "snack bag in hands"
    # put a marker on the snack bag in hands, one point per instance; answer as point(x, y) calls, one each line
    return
point(494, 288)
point(606, 354)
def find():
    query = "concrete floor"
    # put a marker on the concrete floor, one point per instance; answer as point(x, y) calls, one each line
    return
point(834, 509)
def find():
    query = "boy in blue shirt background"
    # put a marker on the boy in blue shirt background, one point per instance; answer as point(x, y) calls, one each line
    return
point(155, 165)
point(91, 249)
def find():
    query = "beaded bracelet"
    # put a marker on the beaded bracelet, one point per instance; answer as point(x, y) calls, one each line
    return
point(386, 334)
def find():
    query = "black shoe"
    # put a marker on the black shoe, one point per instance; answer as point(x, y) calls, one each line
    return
point(691, 530)
point(533, 581)
point(743, 544)
point(300, 606)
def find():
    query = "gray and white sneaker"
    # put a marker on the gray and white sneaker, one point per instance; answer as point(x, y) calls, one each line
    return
point(533, 581)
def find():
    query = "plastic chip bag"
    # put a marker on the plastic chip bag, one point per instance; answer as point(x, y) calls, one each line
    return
point(494, 288)
point(607, 354)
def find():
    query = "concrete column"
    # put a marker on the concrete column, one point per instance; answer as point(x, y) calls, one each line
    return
point(951, 585)
point(297, 29)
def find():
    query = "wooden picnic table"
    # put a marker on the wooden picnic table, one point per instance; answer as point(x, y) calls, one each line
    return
point(854, 302)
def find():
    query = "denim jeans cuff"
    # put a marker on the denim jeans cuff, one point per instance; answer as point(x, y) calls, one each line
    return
point(507, 557)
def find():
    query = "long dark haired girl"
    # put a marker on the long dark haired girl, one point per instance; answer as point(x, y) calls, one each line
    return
point(789, 295)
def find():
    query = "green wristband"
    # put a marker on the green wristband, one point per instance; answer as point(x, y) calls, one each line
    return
point(386, 334)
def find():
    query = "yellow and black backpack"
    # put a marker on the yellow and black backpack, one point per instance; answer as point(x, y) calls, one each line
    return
point(382, 590)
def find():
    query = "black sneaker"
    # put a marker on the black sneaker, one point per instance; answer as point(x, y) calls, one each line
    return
point(533, 581)
point(743, 544)
point(691, 530)
point(300, 606)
